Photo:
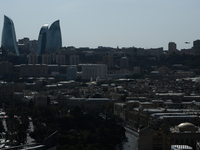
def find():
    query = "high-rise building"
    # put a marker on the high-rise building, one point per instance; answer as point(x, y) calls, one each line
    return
point(54, 40)
point(41, 45)
point(171, 47)
point(71, 73)
point(32, 58)
point(74, 60)
point(23, 45)
point(33, 46)
point(124, 62)
point(196, 47)
point(8, 40)
point(46, 58)
point(108, 60)
point(60, 59)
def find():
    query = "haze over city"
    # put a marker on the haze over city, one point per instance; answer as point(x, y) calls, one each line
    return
point(111, 23)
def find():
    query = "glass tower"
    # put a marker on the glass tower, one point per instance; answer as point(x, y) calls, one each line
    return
point(41, 45)
point(8, 40)
point(54, 40)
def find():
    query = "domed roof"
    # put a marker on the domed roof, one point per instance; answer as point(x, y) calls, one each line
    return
point(186, 125)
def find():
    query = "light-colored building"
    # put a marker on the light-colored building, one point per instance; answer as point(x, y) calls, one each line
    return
point(94, 71)
point(157, 52)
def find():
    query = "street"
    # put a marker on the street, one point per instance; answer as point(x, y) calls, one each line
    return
point(131, 142)
point(31, 129)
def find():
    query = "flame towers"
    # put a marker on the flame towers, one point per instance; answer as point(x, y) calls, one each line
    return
point(42, 40)
point(54, 40)
point(49, 39)
point(8, 40)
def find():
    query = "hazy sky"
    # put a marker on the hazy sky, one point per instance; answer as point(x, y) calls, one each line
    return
point(111, 23)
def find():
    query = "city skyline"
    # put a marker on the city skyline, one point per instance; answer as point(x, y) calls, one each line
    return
point(145, 24)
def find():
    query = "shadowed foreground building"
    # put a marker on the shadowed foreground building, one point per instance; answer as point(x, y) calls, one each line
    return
point(8, 40)
point(164, 137)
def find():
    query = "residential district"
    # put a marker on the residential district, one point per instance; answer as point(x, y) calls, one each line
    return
point(55, 97)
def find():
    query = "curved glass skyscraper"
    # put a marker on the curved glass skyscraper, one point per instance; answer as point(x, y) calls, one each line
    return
point(41, 45)
point(8, 40)
point(54, 40)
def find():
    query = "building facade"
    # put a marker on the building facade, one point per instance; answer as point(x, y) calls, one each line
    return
point(196, 47)
point(32, 58)
point(8, 40)
point(54, 39)
point(41, 45)
point(34, 70)
point(164, 137)
point(74, 60)
point(171, 47)
point(6, 68)
point(124, 62)
point(46, 59)
point(60, 59)
point(71, 73)
point(93, 71)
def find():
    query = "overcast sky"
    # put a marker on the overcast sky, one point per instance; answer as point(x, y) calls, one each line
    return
point(110, 23)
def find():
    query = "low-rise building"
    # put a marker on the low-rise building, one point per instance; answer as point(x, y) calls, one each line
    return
point(34, 70)
point(164, 137)
point(86, 104)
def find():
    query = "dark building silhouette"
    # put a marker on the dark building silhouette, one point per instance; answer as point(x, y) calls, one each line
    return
point(41, 45)
point(8, 40)
point(196, 47)
point(54, 39)
point(171, 47)
point(124, 62)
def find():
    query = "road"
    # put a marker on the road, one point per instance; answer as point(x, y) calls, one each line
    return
point(29, 140)
point(131, 143)
point(4, 125)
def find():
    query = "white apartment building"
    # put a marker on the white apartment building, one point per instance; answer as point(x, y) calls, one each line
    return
point(93, 71)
